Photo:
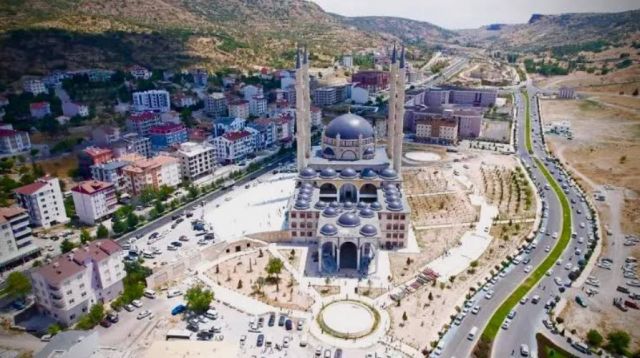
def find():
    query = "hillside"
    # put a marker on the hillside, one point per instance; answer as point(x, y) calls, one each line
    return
point(546, 31)
point(410, 31)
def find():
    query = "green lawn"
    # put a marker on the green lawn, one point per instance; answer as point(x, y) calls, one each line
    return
point(492, 328)
point(527, 123)
point(546, 348)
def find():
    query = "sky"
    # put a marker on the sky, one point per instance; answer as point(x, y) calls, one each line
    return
point(464, 14)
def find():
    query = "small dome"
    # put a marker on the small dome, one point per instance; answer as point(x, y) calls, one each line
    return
point(328, 173)
point(391, 198)
point(347, 205)
point(369, 151)
point(368, 230)
point(367, 213)
point(305, 197)
point(394, 205)
point(329, 230)
point(307, 186)
point(320, 205)
point(349, 126)
point(334, 204)
point(348, 220)
point(330, 212)
point(307, 173)
point(390, 189)
point(348, 173)
point(388, 173)
point(301, 205)
point(369, 173)
point(305, 191)
point(375, 206)
point(361, 205)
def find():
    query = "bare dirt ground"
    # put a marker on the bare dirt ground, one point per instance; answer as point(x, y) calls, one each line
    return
point(247, 269)
point(327, 290)
point(625, 80)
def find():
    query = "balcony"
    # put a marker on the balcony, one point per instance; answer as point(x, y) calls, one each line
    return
point(53, 288)
point(58, 305)
point(55, 297)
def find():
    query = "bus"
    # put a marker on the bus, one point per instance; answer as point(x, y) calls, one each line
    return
point(472, 333)
point(178, 334)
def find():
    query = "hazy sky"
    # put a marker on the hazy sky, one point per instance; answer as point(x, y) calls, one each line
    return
point(459, 14)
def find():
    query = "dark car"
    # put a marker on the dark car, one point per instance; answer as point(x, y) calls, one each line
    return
point(205, 335)
point(288, 325)
point(176, 243)
point(272, 320)
point(192, 327)
point(112, 317)
point(209, 236)
point(260, 340)
point(105, 323)
point(281, 321)
point(260, 321)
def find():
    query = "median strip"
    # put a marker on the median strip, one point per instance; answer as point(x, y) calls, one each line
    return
point(527, 123)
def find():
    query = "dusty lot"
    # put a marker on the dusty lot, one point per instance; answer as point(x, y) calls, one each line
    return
point(626, 80)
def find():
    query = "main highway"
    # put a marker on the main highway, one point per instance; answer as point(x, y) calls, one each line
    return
point(528, 316)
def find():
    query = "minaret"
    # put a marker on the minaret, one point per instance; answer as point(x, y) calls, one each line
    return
point(300, 103)
point(391, 104)
point(399, 114)
point(307, 106)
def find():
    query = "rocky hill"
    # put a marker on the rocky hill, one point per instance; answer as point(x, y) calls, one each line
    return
point(409, 31)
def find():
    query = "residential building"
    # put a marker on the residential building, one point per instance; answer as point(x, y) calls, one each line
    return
point(437, 130)
point(290, 94)
point(324, 96)
point(266, 132)
point(92, 156)
point(166, 135)
point(94, 200)
point(105, 135)
point(372, 80)
point(200, 77)
point(239, 109)
point(347, 61)
point(154, 100)
point(229, 81)
point(257, 106)
point(469, 122)
point(566, 92)
point(197, 160)
point(34, 87)
point(71, 344)
point(284, 128)
point(43, 201)
point(132, 143)
point(182, 100)
point(12, 141)
point(171, 117)
point(40, 109)
point(154, 172)
point(16, 246)
point(343, 92)
point(140, 73)
point(474, 97)
point(316, 117)
point(215, 104)
point(250, 91)
point(233, 146)
point(72, 109)
point(142, 122)
point(287, 80)
point(70, 284)
point(112, 171)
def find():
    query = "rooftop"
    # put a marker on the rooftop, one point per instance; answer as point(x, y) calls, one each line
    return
point(8, 213)
point(232, 136)
point(166, 128)
point(142, 116)
point(39, 105)
point(91, 186)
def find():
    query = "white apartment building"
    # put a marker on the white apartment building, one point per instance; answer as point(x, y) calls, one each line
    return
point(257, 106)
point(215, 104)
point(196, 160)
point(17, 244)
point(66, 288)
point(239, 109)
point(94, 200)
point(233, 146)
point(12, 141)
point(316, 116)
point(154, 100)
point(43, 201)
point(34, 87)
point(251, 91)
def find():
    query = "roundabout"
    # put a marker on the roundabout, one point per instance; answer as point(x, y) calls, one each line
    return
point(423, 156)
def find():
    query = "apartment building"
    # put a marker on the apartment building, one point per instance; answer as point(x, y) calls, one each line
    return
point(104, 135)
point(250, 91)
point(166, 135)
point(182, 100)
point(94, 200)
point(139, 72)
point(66, 288)
point(215, 104)
point(12, 142)
point(257, 106)
point(197, 160)
point(200, 77)
point(43, 201)
point(233, 146)
point(324, 96)
point(227, 124)
point(34, 87)
point(373, 80)
point(142, 122)
point(469, 122)
point(266, 132)
point(154, 100)
point(155, 172)
point(239, 109)
point(92, 156)
point(40, 109)
point(132, 143)
point(72, 109)
point(316, 117)
point(112, 171)
point(17, 244)
point(437, 130)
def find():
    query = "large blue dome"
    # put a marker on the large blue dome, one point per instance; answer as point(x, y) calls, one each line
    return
point(349, 220)
point(349, 126)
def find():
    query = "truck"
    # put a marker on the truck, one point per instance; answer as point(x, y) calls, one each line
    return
point(178, 334)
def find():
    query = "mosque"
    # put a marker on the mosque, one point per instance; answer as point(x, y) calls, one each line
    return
point(349, 197)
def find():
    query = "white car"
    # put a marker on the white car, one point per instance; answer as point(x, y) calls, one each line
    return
point(475, 309)
point(137, 303)
point(568, 266)
point(174, 293)
point(144, 314)
point(558, 281)
point(527, 269)
point(547, 248)
point(506, 324)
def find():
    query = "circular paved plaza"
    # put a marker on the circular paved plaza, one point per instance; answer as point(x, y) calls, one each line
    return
point(349, 318)
point(423, 156)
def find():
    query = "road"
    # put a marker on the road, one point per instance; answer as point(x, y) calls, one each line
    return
point(528, 316)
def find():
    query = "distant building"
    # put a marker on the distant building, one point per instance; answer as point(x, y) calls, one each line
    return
point(171, 117)
point(132, 143)
point(284, 128)
point(72, 109)
point(437, 130)
point(154, 173)
point(469, 122)
point(92, 156)
point(200, 77)
point(112, 171)
point(142, 122)
point(372, 80)
point(215, 104)
point(324, 96)
point(196, 160)
point(94, 200)
point(70, 284)
point(435, 97)
point(347, 61)
point(232, 147)
point(140, 73)
point(43, 201)
point(250, 91)
point(239, 109)
point(105, 135)
point(40, 109)
point(16, 246)
point(227, 124)
point(34, 87)
point(265, 132)
point(165, 135)
point(182, 100)
point(316, 117)
point(12, 142)
point(154, 100)
point(567, 93)
point(257, 106)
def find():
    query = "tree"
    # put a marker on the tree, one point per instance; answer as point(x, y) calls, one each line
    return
point(618, 342)
point(132, 221)
point(159, 207)
point(594, 338)
point(118, 226)
point(404, 316)
point(54, 329)
point(66, 246)
point(85, 236)
point(91, 319)
point(102, 232)
point(198, 299)
point(17, 285)
point(274, 267)
point(430, 296)
point(147, 195)
point(635, 92)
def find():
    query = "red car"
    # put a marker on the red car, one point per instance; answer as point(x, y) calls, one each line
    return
point(105, 323)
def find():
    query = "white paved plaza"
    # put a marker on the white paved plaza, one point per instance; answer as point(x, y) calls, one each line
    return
point(348, 317)
point(423, 156)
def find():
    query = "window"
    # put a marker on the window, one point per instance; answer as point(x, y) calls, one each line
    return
point(294, 233)
point(389, 216)
point(293, 214)
point(68, 292)
point(388, 226)
point(401, 226)
point(294, 225)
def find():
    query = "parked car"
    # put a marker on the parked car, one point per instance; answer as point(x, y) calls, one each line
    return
point(260, 340)
point(129, 308)
point(205, 335)
point(144, 314)
point(112, 317)
point(137, 303)
point(178, 309)
point(105, 323)
point(288, 324)
point(272, 320)
point(281, 320)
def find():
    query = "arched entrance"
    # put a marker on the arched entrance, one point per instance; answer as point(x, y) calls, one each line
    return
point(368, 193)
point(348, 256)
point(328, 257)
point(328, 192)
point(348, 192)
point(349, 155)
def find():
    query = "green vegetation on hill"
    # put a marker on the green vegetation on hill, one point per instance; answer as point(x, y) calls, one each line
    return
point(574, 49)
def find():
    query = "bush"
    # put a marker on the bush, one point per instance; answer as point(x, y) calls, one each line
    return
point(594, 338)
point(91, 319)
point(618, 342)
